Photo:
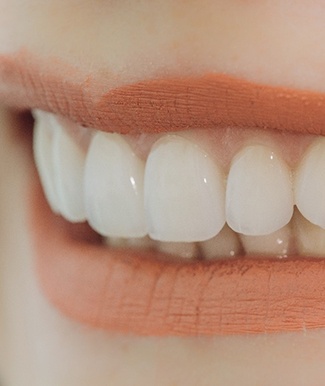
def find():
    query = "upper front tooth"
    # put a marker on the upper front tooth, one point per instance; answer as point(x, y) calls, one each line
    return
point(134, 243)
point(259, 197)
point(184, 192)
point(68, 166)
point(310, 184)
point(114, 187)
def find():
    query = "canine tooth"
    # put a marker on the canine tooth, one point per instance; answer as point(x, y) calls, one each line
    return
point(310, 238)
point(114, 187)
point(68, 166)
point(184, 192)
point(43, 147)
point(184, 250)
point(277, 243)
point(224, 244)
point(259, 198)
point(310, 184)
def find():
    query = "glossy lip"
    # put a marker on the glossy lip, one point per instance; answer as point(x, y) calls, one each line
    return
point(133, 292)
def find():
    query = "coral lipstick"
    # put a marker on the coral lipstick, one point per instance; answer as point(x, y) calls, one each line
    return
point(209, 101)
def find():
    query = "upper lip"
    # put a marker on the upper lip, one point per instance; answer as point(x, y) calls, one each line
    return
point(170, 104)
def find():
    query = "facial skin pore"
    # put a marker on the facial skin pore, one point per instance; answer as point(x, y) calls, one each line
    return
point(271, 42)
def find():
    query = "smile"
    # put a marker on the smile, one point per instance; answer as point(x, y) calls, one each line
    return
point(215, 194)
point(193, 229)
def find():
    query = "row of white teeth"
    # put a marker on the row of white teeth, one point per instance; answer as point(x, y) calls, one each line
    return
point(180, 197)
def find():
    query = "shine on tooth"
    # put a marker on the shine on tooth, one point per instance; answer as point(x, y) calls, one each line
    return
point(310, 238)
point(113, 185)
point(224, 245)
point(68, 166)
point(184, 192)
point(259, 198)
point(43, 148)
point(309, 184)
point(278, 243)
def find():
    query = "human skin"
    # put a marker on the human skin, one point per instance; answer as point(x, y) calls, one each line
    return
point(272, 42)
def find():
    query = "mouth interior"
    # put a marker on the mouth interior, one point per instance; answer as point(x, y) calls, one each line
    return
point(145, 192)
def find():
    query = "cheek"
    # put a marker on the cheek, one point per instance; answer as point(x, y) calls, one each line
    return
point(14, 168)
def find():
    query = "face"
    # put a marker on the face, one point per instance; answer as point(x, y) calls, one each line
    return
point(179, 146)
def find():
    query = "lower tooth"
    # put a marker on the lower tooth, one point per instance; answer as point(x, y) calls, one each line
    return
point(310, 238)
point(184, 250)
point(225, 244)
point(115, 242)
point(143, 243)
point(277, 243)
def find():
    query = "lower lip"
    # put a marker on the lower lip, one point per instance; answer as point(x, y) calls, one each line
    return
point(135, 292)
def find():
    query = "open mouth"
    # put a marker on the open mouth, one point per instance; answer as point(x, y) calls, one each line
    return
point(191, 230)
point(181, 210)
point(188, 234)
